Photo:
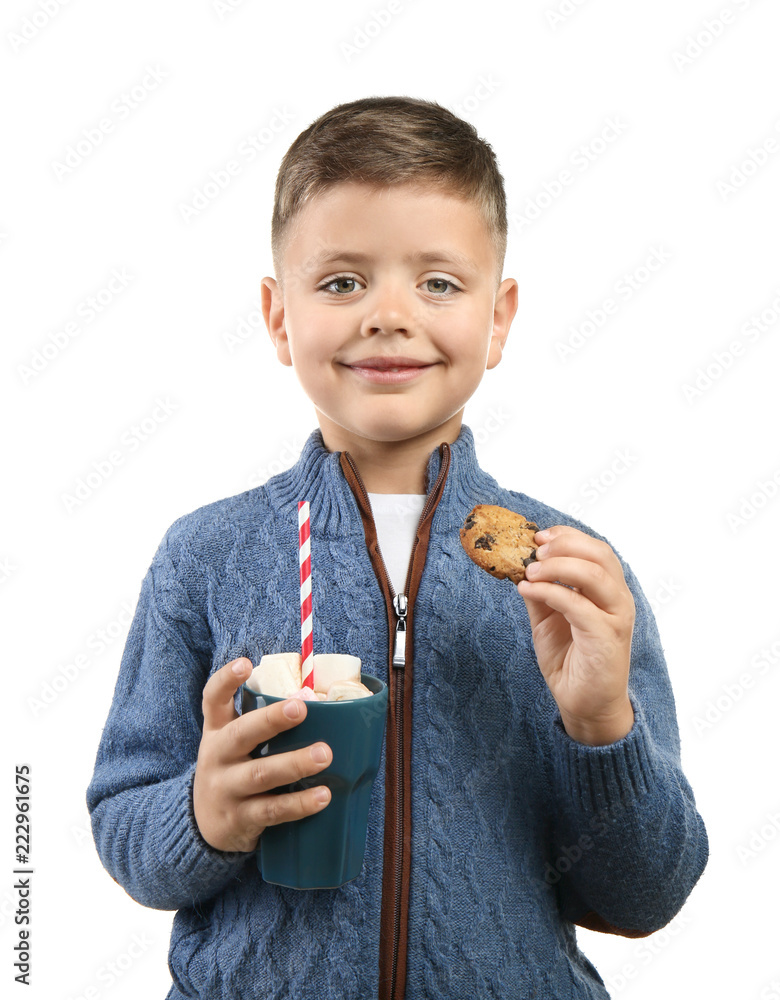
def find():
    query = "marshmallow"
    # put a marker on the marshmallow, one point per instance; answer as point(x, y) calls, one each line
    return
point(347, 690)
point(306, 694)
point(277, 674)
point(336, 677)
point(330, 667)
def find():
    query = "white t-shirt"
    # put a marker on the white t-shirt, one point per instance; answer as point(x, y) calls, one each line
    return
point(396, 516)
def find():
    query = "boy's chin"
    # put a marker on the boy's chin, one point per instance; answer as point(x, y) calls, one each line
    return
point(388, 432)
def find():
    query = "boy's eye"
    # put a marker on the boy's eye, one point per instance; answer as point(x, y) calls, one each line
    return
point(339, 281)
point(442, 281)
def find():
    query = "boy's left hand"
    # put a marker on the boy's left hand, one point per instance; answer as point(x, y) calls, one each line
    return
point(582, 637)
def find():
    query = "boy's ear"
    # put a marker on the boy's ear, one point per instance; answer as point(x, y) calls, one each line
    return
point(503, 313)
point(272, 302)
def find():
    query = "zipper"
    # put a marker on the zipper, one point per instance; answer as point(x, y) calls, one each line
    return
point(399, 640)
point(399, 664)
point(392, 980)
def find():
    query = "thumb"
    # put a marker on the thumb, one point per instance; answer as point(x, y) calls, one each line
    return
point(537, 609)
point(218, 707)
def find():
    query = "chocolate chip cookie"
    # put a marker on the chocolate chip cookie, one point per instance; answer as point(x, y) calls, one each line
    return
point(499, 541)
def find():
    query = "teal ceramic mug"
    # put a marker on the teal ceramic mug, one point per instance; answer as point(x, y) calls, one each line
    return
point(325, 850)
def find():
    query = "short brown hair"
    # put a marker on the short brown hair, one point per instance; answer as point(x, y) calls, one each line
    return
point(390, 140)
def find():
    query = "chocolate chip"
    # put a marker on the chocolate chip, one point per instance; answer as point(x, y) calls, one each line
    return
point(469, 522)
point(530, 559)
point(485, 542)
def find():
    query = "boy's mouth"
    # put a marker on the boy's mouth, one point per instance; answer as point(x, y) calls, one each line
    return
point(389, 370)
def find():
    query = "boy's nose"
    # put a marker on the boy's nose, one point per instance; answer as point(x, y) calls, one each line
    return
point(390, 310)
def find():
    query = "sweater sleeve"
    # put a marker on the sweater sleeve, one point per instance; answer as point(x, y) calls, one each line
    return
point(628, 842)
point(140, 796)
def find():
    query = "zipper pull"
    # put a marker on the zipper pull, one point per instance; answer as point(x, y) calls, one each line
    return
point(399, 647)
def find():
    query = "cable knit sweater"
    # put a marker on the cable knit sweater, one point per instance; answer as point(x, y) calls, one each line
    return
point(517, 830)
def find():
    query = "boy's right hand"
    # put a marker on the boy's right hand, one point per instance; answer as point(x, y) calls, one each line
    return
point(232, 792)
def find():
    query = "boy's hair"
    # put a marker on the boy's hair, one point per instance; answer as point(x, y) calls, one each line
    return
point(390, 140)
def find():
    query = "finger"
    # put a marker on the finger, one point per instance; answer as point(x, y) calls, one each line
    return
point(589, 579)
point(576, 608)
point(256, 727)
point(270, 810)
point(263, 774)
point(563, 540)
point(218, 707)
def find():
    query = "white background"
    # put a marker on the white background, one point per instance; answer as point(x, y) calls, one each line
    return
point(662, 471)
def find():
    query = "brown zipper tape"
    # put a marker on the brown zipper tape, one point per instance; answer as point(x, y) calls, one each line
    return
point(392, 973)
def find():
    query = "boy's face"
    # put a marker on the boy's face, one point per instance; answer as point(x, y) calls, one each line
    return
point(390, 335)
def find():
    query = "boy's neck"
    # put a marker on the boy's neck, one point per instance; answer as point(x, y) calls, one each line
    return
point(390, 466)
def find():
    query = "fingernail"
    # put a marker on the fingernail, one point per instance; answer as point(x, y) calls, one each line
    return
point(318, 754)
point(322, 794)
point(543, 534)
point(238, 667)
point(292, 709)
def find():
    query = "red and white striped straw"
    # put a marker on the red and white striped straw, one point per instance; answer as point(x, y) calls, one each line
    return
point(304, 562)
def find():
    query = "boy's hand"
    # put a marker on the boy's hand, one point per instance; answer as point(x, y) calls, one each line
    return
point(232, 797)
point(582, 636)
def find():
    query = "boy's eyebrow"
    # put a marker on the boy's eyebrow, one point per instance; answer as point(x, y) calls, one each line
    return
point(418, 257)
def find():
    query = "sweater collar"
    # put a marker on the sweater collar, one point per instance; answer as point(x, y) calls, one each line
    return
point(318, 478)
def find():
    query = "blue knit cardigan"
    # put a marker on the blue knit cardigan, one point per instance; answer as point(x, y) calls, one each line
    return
point(517, 830)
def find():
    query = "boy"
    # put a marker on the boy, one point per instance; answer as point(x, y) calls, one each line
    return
point(531, 778)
